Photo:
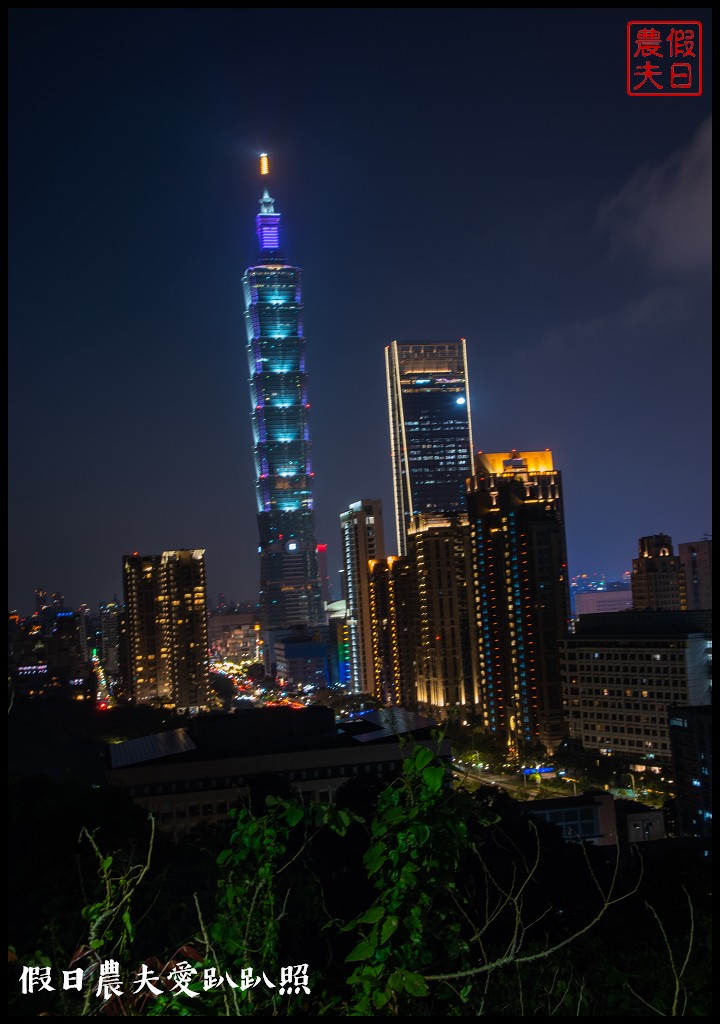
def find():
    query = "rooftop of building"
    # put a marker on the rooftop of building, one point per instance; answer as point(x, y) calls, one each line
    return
point(255, 731)
point(644, 624)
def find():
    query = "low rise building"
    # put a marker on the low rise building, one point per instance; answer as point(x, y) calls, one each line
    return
point(198, 773)
point(598, 818)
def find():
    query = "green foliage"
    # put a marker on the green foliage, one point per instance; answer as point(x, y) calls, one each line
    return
point(417, 843)
point(433, 902)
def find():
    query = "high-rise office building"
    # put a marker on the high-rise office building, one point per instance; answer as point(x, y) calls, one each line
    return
point(430, 430)
point(290, 587)
point(166, 602)
point(696, 560)
point(521, 594)
point(363, 540)
point(658, 577)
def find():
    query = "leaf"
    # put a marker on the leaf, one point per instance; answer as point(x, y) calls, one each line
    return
point(389, 926)
point(432, 777)
point(107, 863)
point(293, 815)
point(128, 925)
point(363, 951)
point(422, 834)
point(375, 857)
point(372, 915)
point(380, 998)
point(368, 971)
point(416, 985)
point(40, 960)
point(423, 756)
point(407, 875)
point(396, 981)
point(394, 814)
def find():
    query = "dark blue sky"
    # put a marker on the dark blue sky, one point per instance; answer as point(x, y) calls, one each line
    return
point(441, 173)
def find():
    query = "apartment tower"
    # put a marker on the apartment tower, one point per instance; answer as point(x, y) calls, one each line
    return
point(363, 540)
point(167, 631)
point(521, 596)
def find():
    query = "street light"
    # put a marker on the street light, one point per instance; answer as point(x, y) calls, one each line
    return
point(574, 783)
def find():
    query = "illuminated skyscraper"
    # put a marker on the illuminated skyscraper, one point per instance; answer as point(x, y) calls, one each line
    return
point(440, 550)
point(165, 597)
point(394, 619)
point(110, 637)
point(658, 577)
point(146, 662)
point(290, 588)
point(430, 431)
point(521, 596)
point(363, 539)
point(182, 611)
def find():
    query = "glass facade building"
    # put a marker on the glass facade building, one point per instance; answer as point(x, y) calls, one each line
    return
point(290, 588)
point(430, 432)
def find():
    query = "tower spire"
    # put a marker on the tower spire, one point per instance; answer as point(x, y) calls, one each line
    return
point(268, 221)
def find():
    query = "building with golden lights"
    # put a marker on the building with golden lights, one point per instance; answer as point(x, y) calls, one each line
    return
point(394, 625)
point(440, 551)
point(167, 631)
point(658, 576)
point(521, 596)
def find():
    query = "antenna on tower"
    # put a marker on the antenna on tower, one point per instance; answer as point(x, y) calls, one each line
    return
point(264, 164)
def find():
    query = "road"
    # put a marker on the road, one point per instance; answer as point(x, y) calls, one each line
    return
point(519, 786)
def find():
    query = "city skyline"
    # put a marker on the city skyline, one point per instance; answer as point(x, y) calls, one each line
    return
point(429, 189)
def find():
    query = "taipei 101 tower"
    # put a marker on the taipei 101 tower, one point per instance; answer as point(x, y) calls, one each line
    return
point(290, 588)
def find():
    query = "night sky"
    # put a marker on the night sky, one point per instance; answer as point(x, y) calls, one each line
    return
point(441, 173)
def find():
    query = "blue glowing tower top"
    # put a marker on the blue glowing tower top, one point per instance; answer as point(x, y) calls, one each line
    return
point(290, 589)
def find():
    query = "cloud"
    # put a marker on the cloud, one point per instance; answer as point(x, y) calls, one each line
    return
point(617, 332)
point(664, 212)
